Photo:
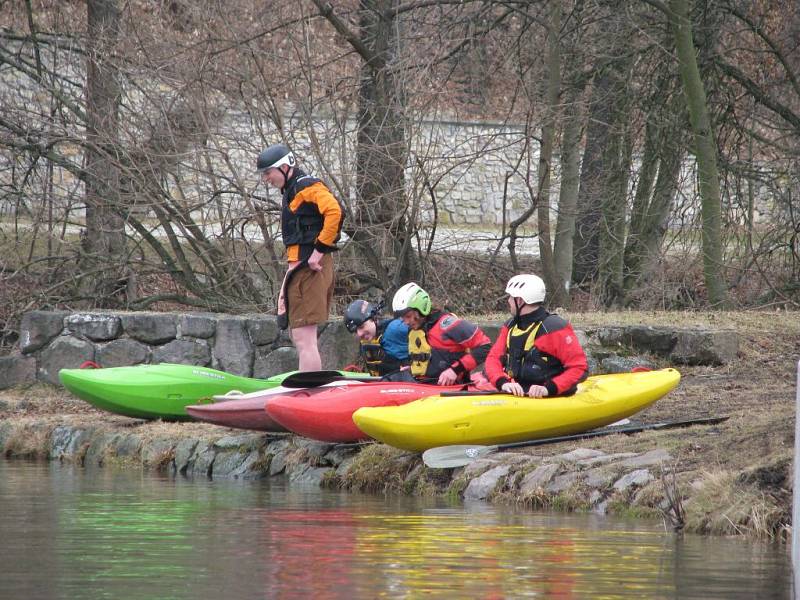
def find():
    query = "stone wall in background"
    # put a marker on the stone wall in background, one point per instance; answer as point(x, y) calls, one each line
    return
point(249, 345)
point(253, 346)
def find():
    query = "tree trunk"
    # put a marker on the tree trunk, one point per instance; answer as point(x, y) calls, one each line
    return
point(572, 130)
point(661, 163)
point(552, 86)
point(705, 151)
point(614, 199)
point(103, 245)
point(567, 204)
point(381, 149)
point(587, 223)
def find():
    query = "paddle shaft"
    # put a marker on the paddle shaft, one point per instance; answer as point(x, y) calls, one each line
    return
point(602, 432)
point(460, 455)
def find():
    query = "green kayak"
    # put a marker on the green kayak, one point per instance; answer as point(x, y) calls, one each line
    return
point(161, 391)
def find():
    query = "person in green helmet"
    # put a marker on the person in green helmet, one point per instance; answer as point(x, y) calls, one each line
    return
point(441, 347)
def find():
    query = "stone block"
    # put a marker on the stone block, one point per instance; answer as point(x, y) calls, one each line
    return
point(197, 326)
point(481, 487)
point(272, 362)
point(706, 347)
point(245, 441)
point(637, 478)
point(16, 370)
point(578, 454)
point(155, 451)
point(150, 328)
point(309, 476)
point(122, 352)
point(263, 330)
point(562, 482)
point(605, 458)
point(656, 340)
point(648, 459)
point(228, 462)
point(337, 346)
point(202, 461)
point(232, 350)
point(64, 353)
point(184, 352)
point(598, 478)
point(183, 454)
point(38, 328)
point(313, 448)
point(538, 478)
point(96, 327)
point(99, 447)
point(623, 364)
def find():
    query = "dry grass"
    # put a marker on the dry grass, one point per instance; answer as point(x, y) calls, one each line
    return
point(726, 506)
point(378, 468)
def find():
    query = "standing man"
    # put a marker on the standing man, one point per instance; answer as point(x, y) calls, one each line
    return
point(441, 347)
point(311, 221)
point(537, 353)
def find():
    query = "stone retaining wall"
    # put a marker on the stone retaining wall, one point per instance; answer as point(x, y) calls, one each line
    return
point(253, 346)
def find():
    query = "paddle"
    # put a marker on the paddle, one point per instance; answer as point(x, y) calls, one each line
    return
point(306, 379)
point(445, 457)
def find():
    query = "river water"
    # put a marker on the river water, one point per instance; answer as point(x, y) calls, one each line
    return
point(66, 532)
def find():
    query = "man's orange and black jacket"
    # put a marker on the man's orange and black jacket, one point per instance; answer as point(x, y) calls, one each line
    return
point(311, 217)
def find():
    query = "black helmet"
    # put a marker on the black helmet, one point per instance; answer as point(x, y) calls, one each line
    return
point(358, 312)
point(274, 156)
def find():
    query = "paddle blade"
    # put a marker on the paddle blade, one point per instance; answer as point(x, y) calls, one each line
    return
point(448, 457)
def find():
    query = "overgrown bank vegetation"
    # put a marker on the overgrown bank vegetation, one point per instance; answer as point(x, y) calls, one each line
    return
point(651, 145)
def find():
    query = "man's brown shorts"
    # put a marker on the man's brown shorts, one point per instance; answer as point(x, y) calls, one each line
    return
point(310, 294)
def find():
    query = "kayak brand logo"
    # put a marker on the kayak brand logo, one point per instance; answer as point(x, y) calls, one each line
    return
point(472, 452)
point(397, 391)
point(207, 374)
point(488, 403)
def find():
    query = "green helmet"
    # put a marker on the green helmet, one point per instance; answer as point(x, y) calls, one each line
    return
point(411, 296)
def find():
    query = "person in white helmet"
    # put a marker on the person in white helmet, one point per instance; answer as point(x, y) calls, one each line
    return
point(536, 353)
point(442, 348)
point(311, 221)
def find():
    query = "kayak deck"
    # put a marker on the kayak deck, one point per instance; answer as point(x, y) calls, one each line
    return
point(502, 418)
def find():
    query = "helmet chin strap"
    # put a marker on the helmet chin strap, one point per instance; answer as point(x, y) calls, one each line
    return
point(517, 307)
point(285, 178)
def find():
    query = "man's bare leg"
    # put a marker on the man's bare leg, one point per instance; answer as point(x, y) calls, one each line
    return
point(305, 340)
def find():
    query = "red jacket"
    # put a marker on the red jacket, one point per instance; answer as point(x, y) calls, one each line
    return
point(555, 338)
point(454, 343)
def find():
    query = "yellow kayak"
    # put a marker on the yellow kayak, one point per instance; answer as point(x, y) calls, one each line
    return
point(492, 418)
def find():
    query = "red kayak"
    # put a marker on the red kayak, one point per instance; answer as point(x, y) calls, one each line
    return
point(328, 415)
point(247, 411)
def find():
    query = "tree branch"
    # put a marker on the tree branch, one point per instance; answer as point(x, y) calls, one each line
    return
point(326, 10)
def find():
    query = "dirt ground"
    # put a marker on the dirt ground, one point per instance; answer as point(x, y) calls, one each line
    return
point(736, 474)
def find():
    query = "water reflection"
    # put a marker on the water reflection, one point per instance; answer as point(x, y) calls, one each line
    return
point(70, 533)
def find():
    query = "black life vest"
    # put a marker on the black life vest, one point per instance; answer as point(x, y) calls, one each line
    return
point(300, 227)
point(525, 363)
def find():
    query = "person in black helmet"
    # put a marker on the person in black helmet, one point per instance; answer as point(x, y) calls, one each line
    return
point(311, 222)
point(383, 346)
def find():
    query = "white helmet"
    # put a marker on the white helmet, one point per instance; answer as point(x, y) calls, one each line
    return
point(528, 287)
point(411, 296)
